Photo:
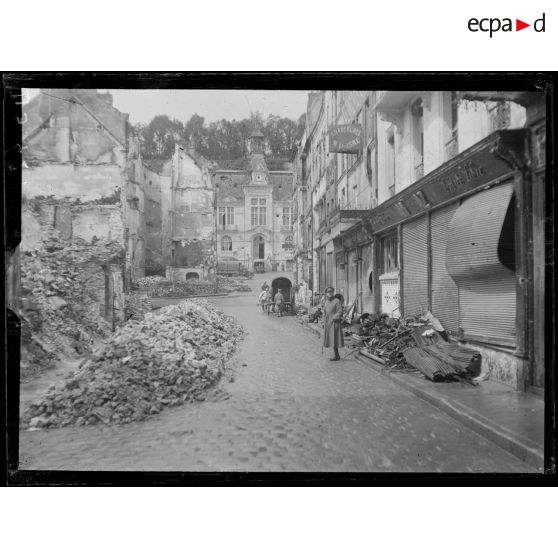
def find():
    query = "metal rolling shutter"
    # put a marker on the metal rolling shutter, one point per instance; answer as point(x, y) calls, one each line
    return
point(488, 308)
point(445, 299)
point(415, 266)
point(487, 288)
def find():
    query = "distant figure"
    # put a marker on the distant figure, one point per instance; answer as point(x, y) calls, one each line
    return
point(333, 333)
point(262, 299)
point(265, 286)
point(279, 302)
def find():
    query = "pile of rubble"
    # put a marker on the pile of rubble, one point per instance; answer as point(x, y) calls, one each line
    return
point(233, 283)
point(193, 287)
point(167, 359)
point(138, 304)
point(419, 342)
point(150, 281)
point(57, 296)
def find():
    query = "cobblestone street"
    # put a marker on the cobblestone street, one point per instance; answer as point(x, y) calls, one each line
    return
point(289, 409)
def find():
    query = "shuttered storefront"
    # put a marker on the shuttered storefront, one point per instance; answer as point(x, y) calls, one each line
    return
point(445, 300)
point(480, 258)
point(366, 271)
point(415, 266)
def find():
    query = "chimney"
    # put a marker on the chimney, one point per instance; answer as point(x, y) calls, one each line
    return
point(106, 97)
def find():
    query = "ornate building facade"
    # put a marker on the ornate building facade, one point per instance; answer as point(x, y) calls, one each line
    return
point(253, 205)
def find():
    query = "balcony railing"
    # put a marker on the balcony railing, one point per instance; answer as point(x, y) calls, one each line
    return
point(451, 148)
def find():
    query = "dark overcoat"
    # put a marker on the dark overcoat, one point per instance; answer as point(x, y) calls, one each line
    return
point(333, 333)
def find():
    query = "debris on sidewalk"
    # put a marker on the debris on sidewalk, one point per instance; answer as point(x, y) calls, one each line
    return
point(416, 341)
point(167, 359)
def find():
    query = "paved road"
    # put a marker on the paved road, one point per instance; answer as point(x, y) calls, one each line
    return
point(289, 409)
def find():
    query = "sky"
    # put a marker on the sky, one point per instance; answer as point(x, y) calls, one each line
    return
point(143, 104)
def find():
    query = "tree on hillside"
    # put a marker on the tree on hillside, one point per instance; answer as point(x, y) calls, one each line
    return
point(159, 137)
point(224, 139)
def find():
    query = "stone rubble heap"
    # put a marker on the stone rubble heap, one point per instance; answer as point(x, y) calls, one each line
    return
point(57, 297)
point(161, 287)
point(171, 357)
point(138, 304)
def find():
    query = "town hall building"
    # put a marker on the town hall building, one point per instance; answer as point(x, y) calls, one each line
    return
point(254, 209)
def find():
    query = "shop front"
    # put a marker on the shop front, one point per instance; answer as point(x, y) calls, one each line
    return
point(455, 244)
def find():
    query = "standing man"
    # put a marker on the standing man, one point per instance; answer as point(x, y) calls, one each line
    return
point(333, 334)
point(262, 299)
point(279, 302)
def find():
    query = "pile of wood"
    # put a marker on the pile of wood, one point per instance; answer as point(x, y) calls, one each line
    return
point(416, 342)
point(439, 359)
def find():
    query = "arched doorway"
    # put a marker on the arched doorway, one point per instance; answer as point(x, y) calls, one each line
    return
point(258, 248)
point(192, 275)
point(286, 288)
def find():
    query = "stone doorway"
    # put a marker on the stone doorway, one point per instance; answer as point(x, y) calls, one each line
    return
point(258, 250)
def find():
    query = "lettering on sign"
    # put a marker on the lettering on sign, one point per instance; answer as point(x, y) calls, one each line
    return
point(345, 138)
point(464, 174)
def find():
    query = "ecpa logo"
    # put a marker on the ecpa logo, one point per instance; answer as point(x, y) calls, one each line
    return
point(494, 24)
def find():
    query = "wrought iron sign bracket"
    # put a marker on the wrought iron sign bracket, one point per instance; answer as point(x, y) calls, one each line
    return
point(510, 157)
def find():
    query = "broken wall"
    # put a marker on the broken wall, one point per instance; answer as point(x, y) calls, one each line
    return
point(166, 213)
point(192, 205)
point(153, 225)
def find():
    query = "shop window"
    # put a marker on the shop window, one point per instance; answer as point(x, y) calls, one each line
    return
point(226, 244)
point(390, 259)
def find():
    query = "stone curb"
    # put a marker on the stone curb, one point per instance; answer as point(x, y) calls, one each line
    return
point(496, 433)
point(486, 428)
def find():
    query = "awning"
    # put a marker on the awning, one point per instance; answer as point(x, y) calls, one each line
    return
point(474, 232)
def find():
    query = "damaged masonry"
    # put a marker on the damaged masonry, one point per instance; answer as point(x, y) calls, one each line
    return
point(174, 299)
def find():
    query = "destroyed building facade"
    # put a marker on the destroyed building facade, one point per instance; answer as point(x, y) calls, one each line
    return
point(83, 176)
point(190, 244)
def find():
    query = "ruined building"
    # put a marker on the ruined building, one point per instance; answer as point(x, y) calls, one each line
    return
point(188, 214)
point(82, 175)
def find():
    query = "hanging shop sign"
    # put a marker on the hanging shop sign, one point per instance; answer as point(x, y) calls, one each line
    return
point(488, 160)
point(345, 138)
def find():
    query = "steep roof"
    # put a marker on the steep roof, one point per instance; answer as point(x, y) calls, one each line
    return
point(243, 164)
point(57, 102)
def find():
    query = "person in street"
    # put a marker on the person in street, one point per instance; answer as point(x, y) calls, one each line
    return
point(268, 301)
point(279, 302)
point(333, 333)
point(262, 299)
point(265, 286)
